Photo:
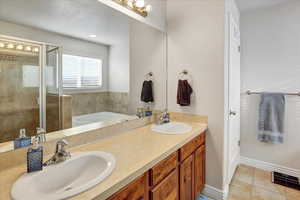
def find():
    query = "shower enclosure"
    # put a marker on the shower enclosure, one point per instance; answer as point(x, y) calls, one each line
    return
point(30, 89)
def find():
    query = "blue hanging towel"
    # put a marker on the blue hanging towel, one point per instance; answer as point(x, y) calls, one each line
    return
point(271, 118)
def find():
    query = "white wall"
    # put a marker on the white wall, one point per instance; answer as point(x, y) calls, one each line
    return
point(118, 74)
point(70, 45)
point(271, 62)
point(147, 54)
point(196, 43)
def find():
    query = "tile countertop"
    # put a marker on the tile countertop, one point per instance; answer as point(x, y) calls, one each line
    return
point(136, 151)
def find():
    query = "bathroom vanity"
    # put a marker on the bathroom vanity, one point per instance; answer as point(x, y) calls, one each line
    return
point(149, 165)
point(179, 176)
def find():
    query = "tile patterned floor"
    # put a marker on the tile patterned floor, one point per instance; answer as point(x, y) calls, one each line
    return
point(250, 183)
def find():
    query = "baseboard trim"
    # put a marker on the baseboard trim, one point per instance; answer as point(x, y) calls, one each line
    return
point(215, 193)
point(269, 166)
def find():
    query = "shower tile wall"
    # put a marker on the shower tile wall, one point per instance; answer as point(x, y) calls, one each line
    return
point(118, 102)
point(18, 102)
point(86, 103)
point(52, 112)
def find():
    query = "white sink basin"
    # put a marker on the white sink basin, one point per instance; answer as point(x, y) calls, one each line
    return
point(172, 128)
point(77, 174)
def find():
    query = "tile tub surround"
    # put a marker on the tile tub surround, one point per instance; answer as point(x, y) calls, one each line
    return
point(255, 184)
point(144, 147)
point(92, 102)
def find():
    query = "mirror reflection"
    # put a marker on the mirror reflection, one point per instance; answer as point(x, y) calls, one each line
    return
point(69, 68)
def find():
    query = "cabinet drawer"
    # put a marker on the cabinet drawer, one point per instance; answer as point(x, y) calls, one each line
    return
point(136, 190)
point(168, 189)
point(190, 147)
point(162, 169)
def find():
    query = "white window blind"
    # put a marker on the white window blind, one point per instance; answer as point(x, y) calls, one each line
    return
point(81, 72)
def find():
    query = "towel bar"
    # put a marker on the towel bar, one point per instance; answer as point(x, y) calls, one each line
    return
point(290, 94)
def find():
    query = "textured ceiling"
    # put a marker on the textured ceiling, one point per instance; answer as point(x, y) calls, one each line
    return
point(76, 18)
point(253, 4)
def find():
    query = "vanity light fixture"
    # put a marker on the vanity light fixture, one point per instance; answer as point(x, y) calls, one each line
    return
point(138, 6)
point(28, 48)
point(20, 47)
point(148, 8)
point(140, 3)
point(130, 3)
point(92, 36)
point(10, 46)
point(35, 49)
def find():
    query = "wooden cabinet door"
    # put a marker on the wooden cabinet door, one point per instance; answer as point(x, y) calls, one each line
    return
point(162, 169)
point(187, 179)
point(168, 189)
point(137, 190)
point(199, 170)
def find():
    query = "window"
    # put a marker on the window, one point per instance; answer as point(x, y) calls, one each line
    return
point(81, 72)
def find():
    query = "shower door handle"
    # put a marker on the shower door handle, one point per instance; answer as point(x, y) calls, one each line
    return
point(232, 113)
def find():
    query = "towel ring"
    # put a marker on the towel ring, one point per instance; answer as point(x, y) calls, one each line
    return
point(149, 76)
point(183, 74)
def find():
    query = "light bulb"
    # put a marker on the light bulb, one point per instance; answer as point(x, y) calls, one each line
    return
point(35, 49)
point(2, 45)
point(148, 8)
point(130, 3)
point(28, 48)
point(10, 46)
point(140, 3)
point(20, 47)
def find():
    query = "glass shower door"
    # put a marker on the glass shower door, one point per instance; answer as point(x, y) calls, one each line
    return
point(52, 76)
point(20, 71)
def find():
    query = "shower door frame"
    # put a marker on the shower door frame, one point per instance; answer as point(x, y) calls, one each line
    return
point(42, 75)
point(44, 83)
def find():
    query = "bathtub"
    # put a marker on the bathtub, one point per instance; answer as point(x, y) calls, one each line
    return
point(99, 117)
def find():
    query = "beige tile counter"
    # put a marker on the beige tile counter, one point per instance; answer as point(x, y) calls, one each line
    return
point(136, 151)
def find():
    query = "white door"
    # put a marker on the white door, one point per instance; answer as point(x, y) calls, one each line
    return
point(234, 98)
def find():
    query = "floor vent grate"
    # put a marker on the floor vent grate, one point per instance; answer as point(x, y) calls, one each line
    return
point(285, 180)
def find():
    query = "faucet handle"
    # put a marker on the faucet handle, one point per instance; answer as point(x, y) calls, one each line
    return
point(62, 142)
point(60, 145)
point(40, 130)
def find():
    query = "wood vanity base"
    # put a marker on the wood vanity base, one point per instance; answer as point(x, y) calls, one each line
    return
point(181, 176)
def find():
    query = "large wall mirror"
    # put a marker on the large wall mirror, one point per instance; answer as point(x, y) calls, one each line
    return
point(66, 64)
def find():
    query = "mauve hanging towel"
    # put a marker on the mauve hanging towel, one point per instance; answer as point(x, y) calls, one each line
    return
point(147, 92)
point(271, 118)
point(184, 92)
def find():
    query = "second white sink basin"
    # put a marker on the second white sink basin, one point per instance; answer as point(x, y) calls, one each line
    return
point(73, 176)
point(172, 128)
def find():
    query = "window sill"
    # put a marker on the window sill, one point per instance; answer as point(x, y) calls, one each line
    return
point(82, 90)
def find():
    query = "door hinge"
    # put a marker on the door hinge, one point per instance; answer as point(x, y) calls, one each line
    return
point(239, 49)
point(239, 142)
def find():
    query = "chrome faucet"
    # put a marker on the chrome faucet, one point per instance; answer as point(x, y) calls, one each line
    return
point(60, 154)
point(41, 135)
point(163, 118)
